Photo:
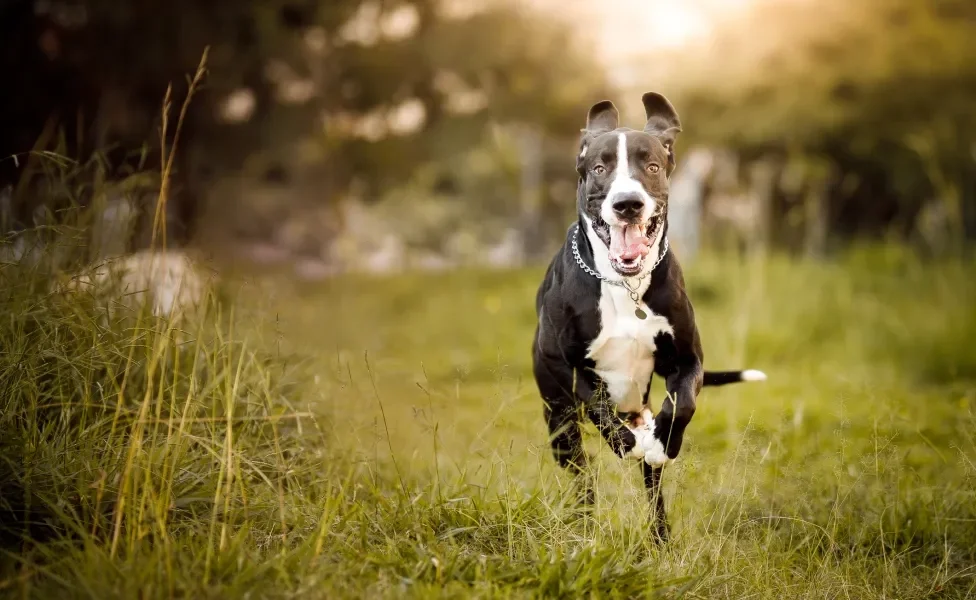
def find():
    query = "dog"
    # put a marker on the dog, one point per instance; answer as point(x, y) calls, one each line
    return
point(612, 309)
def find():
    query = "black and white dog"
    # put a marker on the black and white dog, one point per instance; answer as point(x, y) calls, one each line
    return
point(613, 309)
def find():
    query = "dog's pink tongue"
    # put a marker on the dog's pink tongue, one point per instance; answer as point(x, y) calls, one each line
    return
point(629, 242)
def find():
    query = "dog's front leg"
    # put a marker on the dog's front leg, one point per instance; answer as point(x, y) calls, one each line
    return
point(635, 439)
point(652, 483)
point(679, 407)
point(651, 473)
point(627, 438)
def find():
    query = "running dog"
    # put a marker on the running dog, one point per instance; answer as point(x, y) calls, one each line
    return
point(612, 309)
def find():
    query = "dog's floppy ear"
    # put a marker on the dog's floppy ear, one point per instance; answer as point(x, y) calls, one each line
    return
point(662, 121)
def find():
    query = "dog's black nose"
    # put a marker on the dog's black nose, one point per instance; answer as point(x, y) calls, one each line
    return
point(628, 206)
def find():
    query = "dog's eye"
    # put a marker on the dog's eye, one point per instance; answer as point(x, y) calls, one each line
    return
point(653, 168)
point(599, 170)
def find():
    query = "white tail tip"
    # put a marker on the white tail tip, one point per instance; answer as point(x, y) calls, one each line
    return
point(753, 375)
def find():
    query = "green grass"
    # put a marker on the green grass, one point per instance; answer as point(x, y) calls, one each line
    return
point(370, 437)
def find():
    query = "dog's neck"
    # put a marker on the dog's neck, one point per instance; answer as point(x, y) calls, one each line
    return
point(596, 254)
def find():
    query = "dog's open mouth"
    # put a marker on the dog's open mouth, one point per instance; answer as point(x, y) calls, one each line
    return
point(628, 244)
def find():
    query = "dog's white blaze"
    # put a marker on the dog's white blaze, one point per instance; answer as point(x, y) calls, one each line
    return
point(624, 183)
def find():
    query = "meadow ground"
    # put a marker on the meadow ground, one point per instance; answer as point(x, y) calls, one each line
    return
point(369, 437)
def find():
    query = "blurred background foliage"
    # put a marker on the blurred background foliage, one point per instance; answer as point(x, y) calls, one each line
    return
point(881, 91)
point(383, 134)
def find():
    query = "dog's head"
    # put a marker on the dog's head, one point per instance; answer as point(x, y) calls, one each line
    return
point(623, 179)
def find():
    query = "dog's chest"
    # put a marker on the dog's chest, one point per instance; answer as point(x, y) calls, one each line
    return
point(623, 351)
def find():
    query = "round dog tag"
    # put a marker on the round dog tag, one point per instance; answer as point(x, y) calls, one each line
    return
point(640, 313)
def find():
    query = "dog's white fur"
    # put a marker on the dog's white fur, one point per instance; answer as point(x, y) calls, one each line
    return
point(753, 375)
point(648, 447)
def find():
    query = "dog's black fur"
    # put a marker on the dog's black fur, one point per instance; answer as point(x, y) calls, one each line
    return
point(567, 305)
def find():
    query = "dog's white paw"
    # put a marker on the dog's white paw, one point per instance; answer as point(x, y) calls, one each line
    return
point(648, 447)
point(656, 456)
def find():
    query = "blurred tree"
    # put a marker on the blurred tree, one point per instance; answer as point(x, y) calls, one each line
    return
point(362, 92)
point(883, 88)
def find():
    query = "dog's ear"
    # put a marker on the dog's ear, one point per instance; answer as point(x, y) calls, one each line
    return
point(662, 121)
point(603, 117)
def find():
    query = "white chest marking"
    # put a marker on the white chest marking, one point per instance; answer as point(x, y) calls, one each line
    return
point(624, 349)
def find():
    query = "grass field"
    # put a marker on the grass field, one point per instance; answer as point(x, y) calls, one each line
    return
point(376, 438)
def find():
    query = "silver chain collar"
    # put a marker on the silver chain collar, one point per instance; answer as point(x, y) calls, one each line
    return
point(632, 291)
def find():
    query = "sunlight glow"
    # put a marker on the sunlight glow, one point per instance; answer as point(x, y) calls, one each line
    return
point(673, 24)
point(636, 26)
point(635, 38)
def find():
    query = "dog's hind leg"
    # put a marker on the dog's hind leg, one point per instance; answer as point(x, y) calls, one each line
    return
point(659, 518)
point(561, 399)
point(566, 440)
point(565, 436)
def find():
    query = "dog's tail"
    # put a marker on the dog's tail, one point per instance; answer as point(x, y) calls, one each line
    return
point(713, 378)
